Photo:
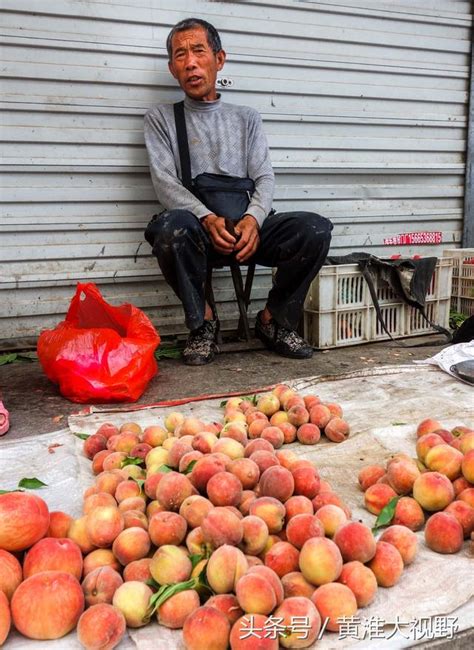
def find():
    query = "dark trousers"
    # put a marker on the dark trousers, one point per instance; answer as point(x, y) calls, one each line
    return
point(296, 243)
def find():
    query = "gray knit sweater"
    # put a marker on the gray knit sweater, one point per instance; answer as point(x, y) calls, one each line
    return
point(223, 139)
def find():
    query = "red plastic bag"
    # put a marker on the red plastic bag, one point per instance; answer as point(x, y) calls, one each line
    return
point(100, 353)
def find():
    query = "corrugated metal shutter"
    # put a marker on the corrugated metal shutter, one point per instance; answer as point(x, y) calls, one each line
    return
point(364, 103)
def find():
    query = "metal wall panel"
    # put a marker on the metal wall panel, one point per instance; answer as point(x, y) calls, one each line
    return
point(363, 101)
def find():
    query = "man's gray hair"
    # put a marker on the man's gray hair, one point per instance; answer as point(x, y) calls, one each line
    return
point(213, 38)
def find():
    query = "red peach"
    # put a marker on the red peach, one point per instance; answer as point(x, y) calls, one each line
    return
point(295, 584)
point(255, 535)
point(24, 519)
point(138, 570)
point(227, 604)
point(444, 459)
point(131, 544)
point(360, 580)
point(100, 585)
point(355, 541)
point(298, 505)
point(409, 513)
point(271, 511)
point(103, 524)
point(428, 426)
point(257, 445)
point(300, 528)
point(444, 533)
point(404, 540)
point(47, 605)
point(468, 466)
point(464, 513)
point(206, 627)
point(167, 528)
point(337, 429)
point(101, 557)
point(307, 481)
point(98, 460)
point(377, 496)
point(174, 611)
point(107, 430)
point(194, 509)
point(11, 573)
point(154, 435)
point(425, 443)
point(221, 526)
point(308, 434)
point(94, 444)
point(278, 482)
point(247, 472)
point(433, 491)
point(5, 618)
point(274, 435)
point(224, 489)
point(53, 554)
point(467, 495)
point(387, 564)
point(264, 460)
point(101, 627)
point(334, 602)
point(170, 565)
point(224, 568)
point(320, 415)
point(298, 608)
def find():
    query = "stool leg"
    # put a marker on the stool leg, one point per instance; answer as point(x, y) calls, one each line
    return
point(241, 300)
point(209, 293)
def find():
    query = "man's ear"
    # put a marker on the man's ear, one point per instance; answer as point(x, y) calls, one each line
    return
point(171, 69)
point(220, 58)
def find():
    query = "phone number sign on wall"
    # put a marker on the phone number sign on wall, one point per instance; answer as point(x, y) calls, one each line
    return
point(407, 238)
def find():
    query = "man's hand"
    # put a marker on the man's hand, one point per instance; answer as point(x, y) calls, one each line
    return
point(249, 238)
point(221, 238)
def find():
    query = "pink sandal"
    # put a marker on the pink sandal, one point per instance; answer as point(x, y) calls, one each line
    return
point(4, 419)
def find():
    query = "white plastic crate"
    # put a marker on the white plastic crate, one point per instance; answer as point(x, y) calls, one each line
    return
point(462, 290)
point(339, 310)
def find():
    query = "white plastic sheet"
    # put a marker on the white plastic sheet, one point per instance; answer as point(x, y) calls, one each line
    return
point(383, 406)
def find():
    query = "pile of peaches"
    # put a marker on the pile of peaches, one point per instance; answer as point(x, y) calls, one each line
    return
point(206, 527)
point(436, 488)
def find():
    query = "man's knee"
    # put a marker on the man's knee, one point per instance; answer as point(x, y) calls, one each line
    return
point(170, 226)
point(314, 227)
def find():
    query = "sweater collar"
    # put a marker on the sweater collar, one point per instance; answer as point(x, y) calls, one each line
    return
point(205, 107)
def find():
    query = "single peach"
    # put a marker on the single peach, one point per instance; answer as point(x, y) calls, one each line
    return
point(282, 558)
point(444, 533)
point(320, 560)
point(294, 609)
point(206, 627)
point(433, 491)
point(174, 611)
point(409, 513)
point(224, 568)
point(387, 564)
point(138, 570)
point(404, 540)
point(331, 517)
point(100, 585)
point(295, 584)
point(302, 527)
point(132, 599)
point(53, 554)
point(464, 513)
point(334, 602)
point(24, 520)
point(377, 496)
point(101, 627)
point(255, 535)
point(360, 580)
point(355, 542)
point(221, 526)
point(5, 618)
point(428, 426)
point(227, 604)
point(224, 489)
point(194, 509)
point(47, 605)
point(170, 564)
point(11, 573)
point(271, 511)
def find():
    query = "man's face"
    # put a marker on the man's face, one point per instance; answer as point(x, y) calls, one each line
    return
point(195, 65)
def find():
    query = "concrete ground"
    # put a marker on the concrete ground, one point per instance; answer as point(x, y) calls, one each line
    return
point(36, 406)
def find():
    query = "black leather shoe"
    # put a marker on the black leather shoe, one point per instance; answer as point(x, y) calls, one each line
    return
point(281, 340)
point(201, 346)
